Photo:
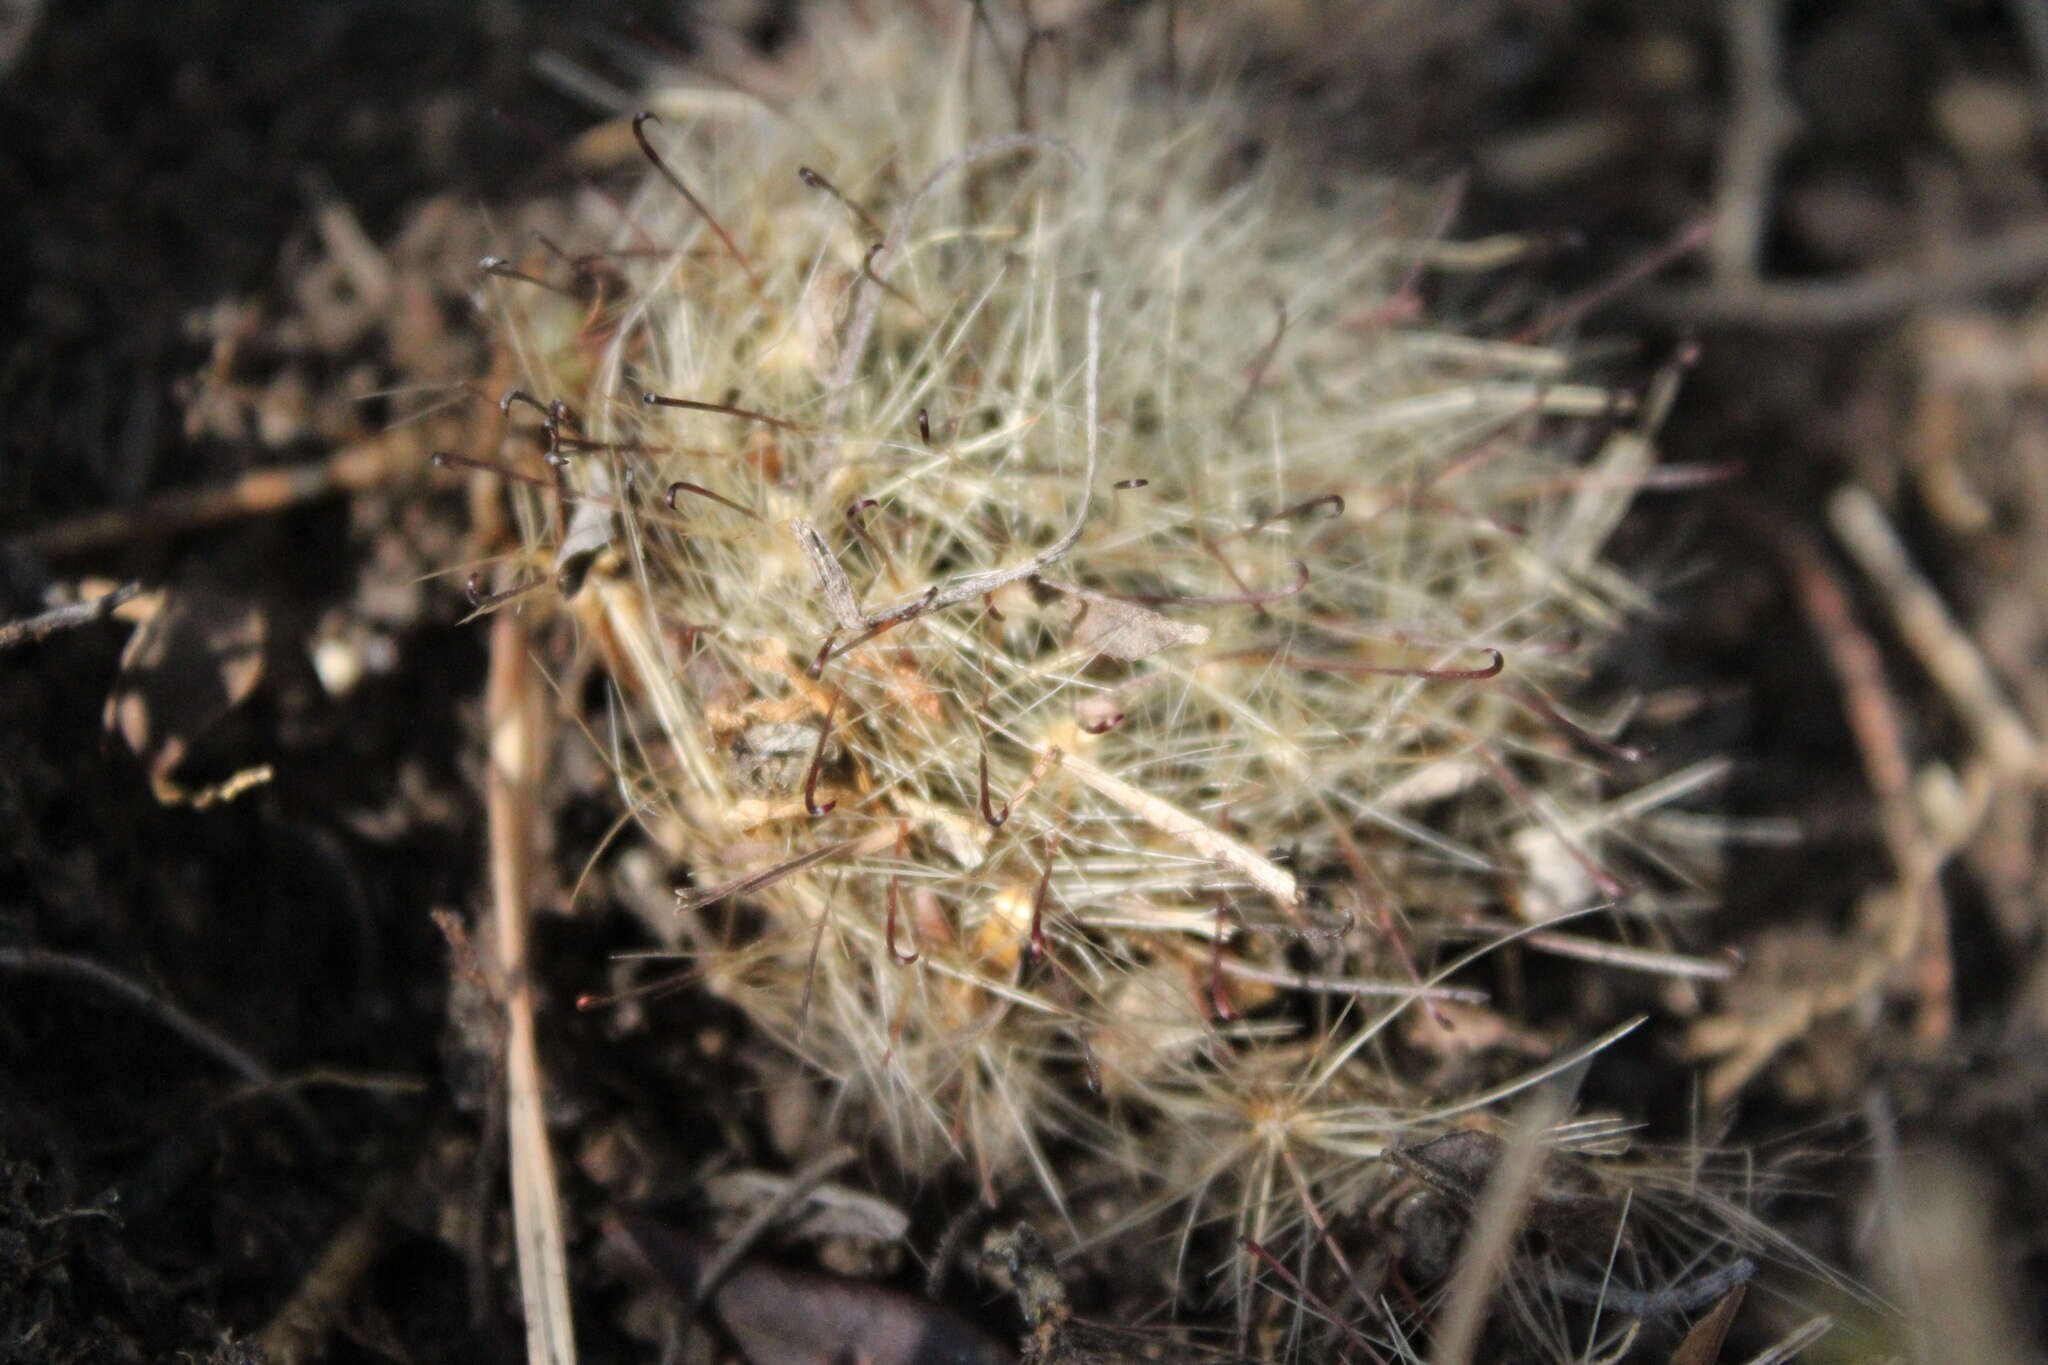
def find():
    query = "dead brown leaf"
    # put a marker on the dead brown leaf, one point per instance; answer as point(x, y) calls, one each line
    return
point(1125, 630)
point(191, 662)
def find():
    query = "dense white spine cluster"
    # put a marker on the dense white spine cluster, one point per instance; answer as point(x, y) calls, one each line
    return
point(1080, 632)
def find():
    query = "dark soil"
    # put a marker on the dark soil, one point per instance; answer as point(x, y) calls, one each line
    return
point(156, 161)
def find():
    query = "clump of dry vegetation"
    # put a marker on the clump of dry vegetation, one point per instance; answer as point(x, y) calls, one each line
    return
point(1092, 646)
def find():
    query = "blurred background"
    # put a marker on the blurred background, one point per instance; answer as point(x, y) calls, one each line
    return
point(210, 214)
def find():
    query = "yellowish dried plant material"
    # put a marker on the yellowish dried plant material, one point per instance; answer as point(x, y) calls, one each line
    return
point(1058, 589)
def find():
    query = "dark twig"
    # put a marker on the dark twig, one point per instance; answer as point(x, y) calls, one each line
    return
point(1684, 1297)
point(45, 962)
point(34, 628)
point(1962, 271)
point(819, 182)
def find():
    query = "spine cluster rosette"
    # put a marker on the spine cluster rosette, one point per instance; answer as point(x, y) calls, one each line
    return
point(1081, 635)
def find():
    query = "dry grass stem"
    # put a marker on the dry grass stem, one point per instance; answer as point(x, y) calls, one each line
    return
point(512, 705)
point(352, 469)
point(1951, 658)
point(1488, 1241)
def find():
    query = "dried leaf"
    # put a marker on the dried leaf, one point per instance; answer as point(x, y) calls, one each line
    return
point(790, 1317)
point(828, 1211)
point(831, 578)
point(1125, 630)
point(1459, 1166)
point(193, 661)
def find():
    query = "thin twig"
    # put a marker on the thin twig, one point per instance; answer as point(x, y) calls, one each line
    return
point(1761, 123)
point(514, 715)
point(1210, 842)
point(1951, 658)
point(46, 962)
point(1920, 921)
point(1685, 1296)
point(1961, 272)
point(298, 1330)
point(34, 628)
point(255, 493)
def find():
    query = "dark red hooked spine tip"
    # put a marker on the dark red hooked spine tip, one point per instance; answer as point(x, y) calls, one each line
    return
point(819, 182)
point(588, 1001)
point(1122, 484)
point(811, 805)
point(1103, 727)
point(448, 459)
point(701, 405)
point(697, 205)
point(1541, 706)
point(481, 600)
point(505, 270)
point(684, 486)
point(1334, 501)
point(924, 425)
point(1492, 670)
point(1037, 947)
point(996, 819)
